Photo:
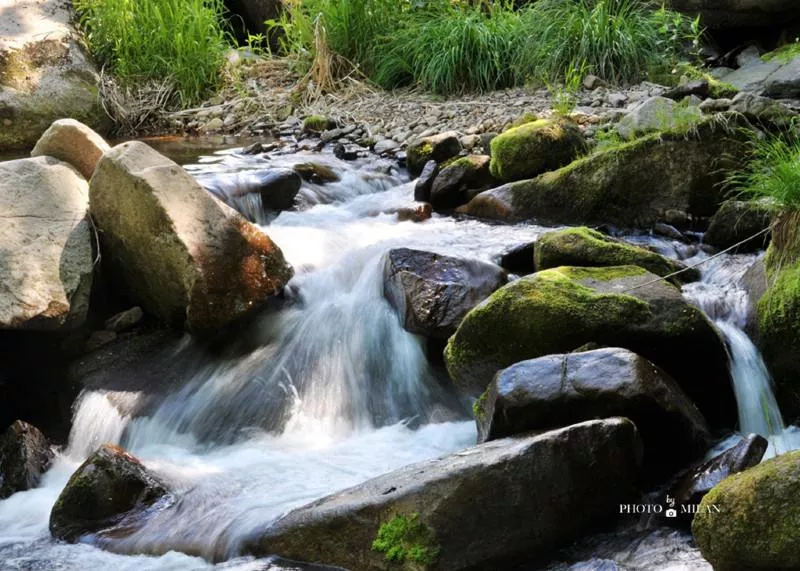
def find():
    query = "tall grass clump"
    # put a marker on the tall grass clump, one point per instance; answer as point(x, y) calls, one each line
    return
point(771, 171)
point(181, 41)
point(618, 40)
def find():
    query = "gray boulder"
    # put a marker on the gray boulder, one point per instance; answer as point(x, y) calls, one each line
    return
point(510, 499)
point(25, 455)
point(557, 390)
point(432, 293)
point(46, 258)
point(658, 114)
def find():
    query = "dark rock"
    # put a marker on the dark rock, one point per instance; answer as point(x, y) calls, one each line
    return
point(698, 87)
point(277, 189)
point(125, 320)
point(98, 339)
point(107, 487)
point(505, 501)
point(668, 231)
point(738, 220)
point(437, 148)
point(347, 152)
point(432, 293)
point(558, 310)
point(316, 173)
point(422, 188)
point(25, 455)
point(559, 390)
point(690, 487)
point(519, 260)
point(459, 181)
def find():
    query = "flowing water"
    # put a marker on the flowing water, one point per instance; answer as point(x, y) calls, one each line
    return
point(330, 392)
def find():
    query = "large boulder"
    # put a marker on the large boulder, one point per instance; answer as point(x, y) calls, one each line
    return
point(585, 247)
point(438, 148)
point(738, 220)
point(558, 390)
point(749, 521)
point(459, 181)
point(562, 309)
point(108, 486)
point(72, 142)
point(46, 259)
point(44, 73)
point(724, 14)
point(631, 184)
point(432, 293)
point(25, 455)
point(691, 486)
point(184, 256)
point(511, 499)
point(535, 147)
point(774, 75)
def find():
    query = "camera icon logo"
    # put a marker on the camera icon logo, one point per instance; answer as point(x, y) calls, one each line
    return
point(672, 512)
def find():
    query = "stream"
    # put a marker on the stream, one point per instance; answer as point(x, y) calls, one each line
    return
point(332, 390)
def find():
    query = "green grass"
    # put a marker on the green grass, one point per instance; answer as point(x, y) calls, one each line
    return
point(451, 46)
point(183, 40)
point(772, 171)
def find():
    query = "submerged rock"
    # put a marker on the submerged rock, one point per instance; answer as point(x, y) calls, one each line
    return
point(633, 184)
point(72, 142)
point(585, 247)
point(438, 148)
point(558, 310)
point(535, 147)
point(510, 499)
point(432, 293)
point(738, 220)
point(185, 257)
point(558, 390)
point(459, 181)
point(46, 258)
point(749, 520)
point(108, 486)
point(25, 455)
point(692, 486)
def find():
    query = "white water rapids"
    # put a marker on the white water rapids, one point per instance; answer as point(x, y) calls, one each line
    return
point(360, 397)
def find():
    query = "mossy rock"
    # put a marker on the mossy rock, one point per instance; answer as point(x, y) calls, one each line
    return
point(585, 247)
point(738, 220)
point(560, 309)
point(633, 184)
point(438, 148)
point(317, 124)
point(535, 147)
point(751, 520)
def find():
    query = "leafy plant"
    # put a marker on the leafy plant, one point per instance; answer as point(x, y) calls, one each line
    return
point(182, 41)
point(406, 538)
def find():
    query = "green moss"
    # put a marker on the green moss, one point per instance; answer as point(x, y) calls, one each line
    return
point(751, 520)
point(317, 124)
point(582, 246)
point(784, 53)
point(404, 538)
point(530, 149)
point(479, 406)
point(720, 89)
point(524, 119)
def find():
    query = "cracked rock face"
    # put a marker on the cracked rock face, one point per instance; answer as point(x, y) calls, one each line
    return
point(45, 245)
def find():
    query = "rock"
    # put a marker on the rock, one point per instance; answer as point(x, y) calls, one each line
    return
point(385, 146)
point(46, 259)
point(73, 142)
point(99, 339)
point(617, 99)
point(316, 173)
point(726, 14)
point(432, 293)
point(585, 247)
point(633, 184)
point(698, 87)
point(417, 214)
point(694, 484)
point(785, 82)
point(107, 487)
point(558, 310)
point(668, 231)
point(754, 282)
point(762, 109)
point(592, 82)
point(25, 455)
point(658, 114)
point(317, 124)
point(44, 73)
point(437, 148)
point(422, 188)
point(213, 125)
point(737, 220)
point(276, 189)
point(569, 478)
point(346, 152)
point(753, 77)
point(459, 181)
point(185, 257)
point(535, 147)
point(749, 520)
point(519, 260)
point(558, 390)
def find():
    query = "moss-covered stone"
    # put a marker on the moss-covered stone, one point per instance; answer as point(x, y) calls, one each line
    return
point(751, 520)
point(582, 246)
point(560, 309)
point(535, 147)
point(635, 183)
point(317, 124)
point(404, 538)
point(738, 220)
point(438, 148)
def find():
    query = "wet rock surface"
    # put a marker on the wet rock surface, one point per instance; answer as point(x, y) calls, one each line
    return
point(25, 455)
